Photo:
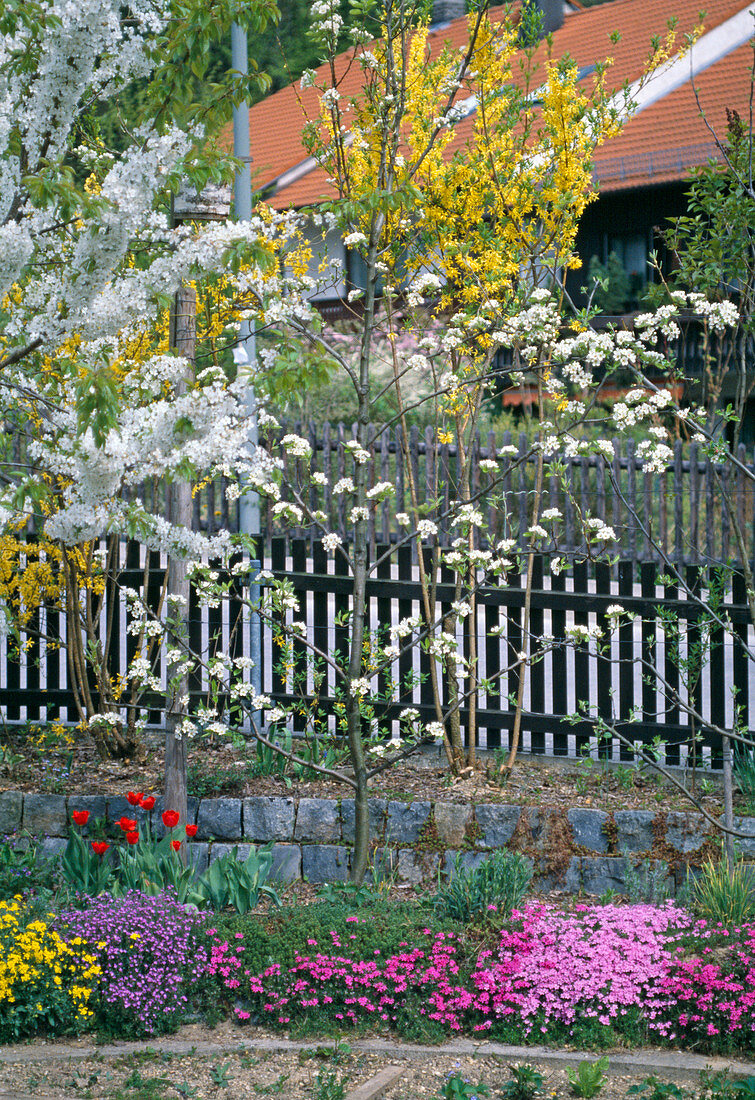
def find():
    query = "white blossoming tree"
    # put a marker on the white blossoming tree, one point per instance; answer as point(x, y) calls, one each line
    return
point(96, 399)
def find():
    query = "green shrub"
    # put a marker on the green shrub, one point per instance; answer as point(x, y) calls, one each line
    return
point(383, 925)
point(721, 895)
point(500, 881)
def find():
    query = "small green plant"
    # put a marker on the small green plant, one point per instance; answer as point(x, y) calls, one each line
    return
point(652, 1088)
point(136, 1087)
point(20, 868)
point(329, 1086)
point(500, 881)
point(348, 893)
point(235, 883)
point(649, 882)
point(625, 776)
point(526, 1083)
point(219, 1076)
point(275, 1087)
point(723, 895)
point(719, 1085)
point(744, 776)
point(456, 1087)
point(588, 1078)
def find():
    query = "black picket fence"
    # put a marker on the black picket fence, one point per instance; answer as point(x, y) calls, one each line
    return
point(640, 683)
point(677, 512)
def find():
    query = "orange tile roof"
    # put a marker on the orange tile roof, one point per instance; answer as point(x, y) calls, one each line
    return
point(657, 145)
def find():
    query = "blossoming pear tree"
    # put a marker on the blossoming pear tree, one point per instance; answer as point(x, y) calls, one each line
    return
point(463, 243)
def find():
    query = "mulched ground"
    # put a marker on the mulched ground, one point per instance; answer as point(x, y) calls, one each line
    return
point(40, 763)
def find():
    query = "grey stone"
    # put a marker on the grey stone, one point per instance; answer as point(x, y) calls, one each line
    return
point(744, 825)
point(317, 819)
point(156, 816)
point(95, 803)
point(199, 855)
point(118, 807)
point(45, 814)
point(685, 831)
point(415, 867)
point(220, 849)
point(268, 818)
point(467, 861)
point(497, 823)
point(219, 818)
point(587, 826)
point(635, 830)
point(451, 820)
point(11, 806)
point(51, 847)
point(405, 821)
point(596, 875)
point(286, 863)
point(324, 863)
point(376, 810)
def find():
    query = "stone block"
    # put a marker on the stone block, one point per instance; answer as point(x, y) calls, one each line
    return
point(51, 847)
point(376, 810)
point(199, 854)
point(118, 807)
point(416, 867)
point(587, 827)
point(317, 819)
point(268, 818)
point(11, 808)
point(451, 820)
point(635, 830)
point(45, 815)
point(219, 849)
point(405, 821)
point(467, 861)
point(219, 818)
point(95, 803)
point(324, 863)
point(156, 816)
point(286, 863)
point(497, 823)
point(744, 825)
point(685, 832)
point(596, 875)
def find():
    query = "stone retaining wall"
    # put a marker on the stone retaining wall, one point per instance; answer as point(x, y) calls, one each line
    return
point(575, 849)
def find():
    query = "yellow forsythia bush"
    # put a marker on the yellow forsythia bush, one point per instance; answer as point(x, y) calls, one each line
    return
point(45, 983)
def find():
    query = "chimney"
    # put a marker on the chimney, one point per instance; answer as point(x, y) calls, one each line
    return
point(445, 11)
point(552, 12)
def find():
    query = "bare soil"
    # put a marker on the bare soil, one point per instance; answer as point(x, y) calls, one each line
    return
point(41, 760)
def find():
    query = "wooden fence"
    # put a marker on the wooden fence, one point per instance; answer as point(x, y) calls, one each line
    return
point(679, 510)
point(617, 686)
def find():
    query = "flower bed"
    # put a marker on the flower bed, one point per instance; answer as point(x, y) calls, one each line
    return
point(595, 975)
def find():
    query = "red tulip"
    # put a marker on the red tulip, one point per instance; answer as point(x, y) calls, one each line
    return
point(133, 798)
point(132, 837)
point(191, 830)
point(80, 817)
point(170, 819)
point(127, 824)
point(100, 847)
point(175, 845)
point(148, 803)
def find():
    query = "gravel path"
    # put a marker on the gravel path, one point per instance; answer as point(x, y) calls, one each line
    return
point(233, 1062)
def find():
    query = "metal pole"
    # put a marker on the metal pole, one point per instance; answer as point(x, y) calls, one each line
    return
point(246, 352)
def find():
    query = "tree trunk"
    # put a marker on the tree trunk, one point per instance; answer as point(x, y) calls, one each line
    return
point(179, 515)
